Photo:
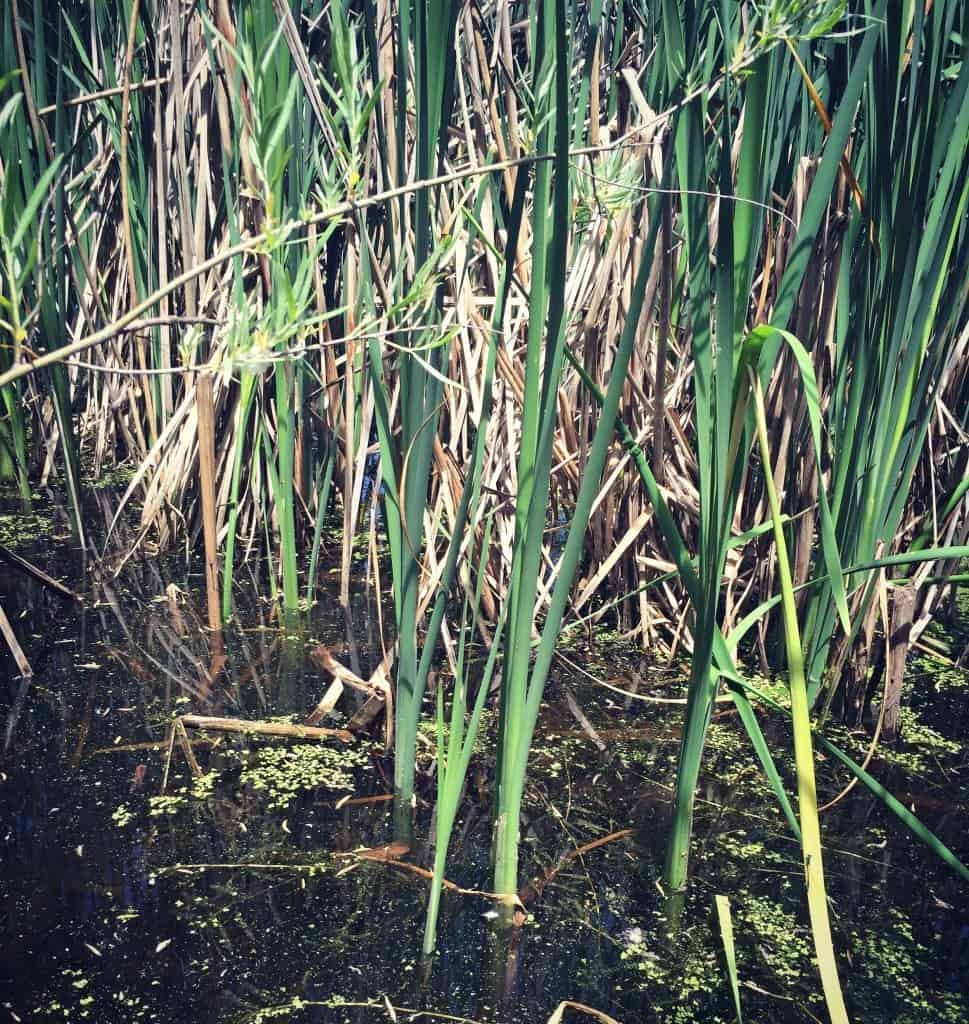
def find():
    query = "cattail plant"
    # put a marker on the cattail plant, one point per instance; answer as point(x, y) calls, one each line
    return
point(669, 300)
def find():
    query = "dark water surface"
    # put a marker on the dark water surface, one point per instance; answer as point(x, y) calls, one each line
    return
point(227, 899)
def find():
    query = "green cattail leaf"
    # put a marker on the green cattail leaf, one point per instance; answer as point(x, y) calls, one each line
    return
point(37, 196)
point(730, 954)
point(829, 543)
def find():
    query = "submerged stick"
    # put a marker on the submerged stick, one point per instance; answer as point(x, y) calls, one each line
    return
point(387, 855)
point(186, 868)
point(170, 747)
point(12, 558)
point(130, 748)
point(534, 890)
point(589, 1011)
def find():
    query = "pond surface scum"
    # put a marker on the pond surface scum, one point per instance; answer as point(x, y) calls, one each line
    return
point(235, 895)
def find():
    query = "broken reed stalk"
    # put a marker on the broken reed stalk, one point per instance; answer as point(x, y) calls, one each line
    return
point(12, 558)
point(570, 1004)
point(15, 649)
point(903, 609)
point(205, 407)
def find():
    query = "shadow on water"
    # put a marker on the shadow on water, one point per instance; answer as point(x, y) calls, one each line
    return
point(235, 896)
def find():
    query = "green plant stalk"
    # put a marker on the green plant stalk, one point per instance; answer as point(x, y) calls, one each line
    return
point(247, 391)
point(920, 831)
point(452, 764)
point(286, 446)
point(262, 440)
point(592, 42)
point(16, 426)
point(471, 490)
point(15, 441)
point(687, 573)
point(54, 306)
point(710, 384)
point(523, 566)
point(891, 343)
point(322, 503)
point(525, 714)
point(451, 783)
point(700, 697)
point(714, 390)
point(539, 414)
point(803, 748)
point(407, 461)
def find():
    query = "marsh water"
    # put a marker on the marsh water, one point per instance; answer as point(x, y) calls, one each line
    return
point(235, 896)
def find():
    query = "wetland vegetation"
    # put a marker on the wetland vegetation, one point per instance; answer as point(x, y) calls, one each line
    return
point(484, 510)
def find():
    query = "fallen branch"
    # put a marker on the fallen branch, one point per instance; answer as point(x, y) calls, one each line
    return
point(258, 728)
point(130, 748)
point(243, 727)
point(353, 801)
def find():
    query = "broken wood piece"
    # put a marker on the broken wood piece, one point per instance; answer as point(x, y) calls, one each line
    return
point(170, 744)
point(569, 1004)
point(175, 598)
point(390, 855)
point(366, 714)
point(322, 657)
point(903, 610)
point(186, 868)
point(327, 703)
point(378, 687)
point(389, 851)
point(243, 727)
point(130, 748)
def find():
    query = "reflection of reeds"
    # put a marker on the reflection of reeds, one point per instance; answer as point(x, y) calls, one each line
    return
point(401, 260)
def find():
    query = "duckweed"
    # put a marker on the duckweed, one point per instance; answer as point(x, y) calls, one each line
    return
point(282, 773)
